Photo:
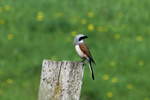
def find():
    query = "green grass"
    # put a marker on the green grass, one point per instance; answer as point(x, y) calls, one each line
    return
point(119, 36)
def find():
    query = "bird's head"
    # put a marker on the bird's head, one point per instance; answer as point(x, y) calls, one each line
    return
point(79, 38)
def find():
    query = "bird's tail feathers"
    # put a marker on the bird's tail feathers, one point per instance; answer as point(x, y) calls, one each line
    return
point(91, 69)
point(92, 60)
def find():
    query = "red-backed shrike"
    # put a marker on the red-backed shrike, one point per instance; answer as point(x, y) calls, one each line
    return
point(83, 51)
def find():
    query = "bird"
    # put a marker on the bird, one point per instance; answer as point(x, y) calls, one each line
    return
point(83, 51)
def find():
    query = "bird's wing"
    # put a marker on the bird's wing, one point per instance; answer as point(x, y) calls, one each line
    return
point(86, 51)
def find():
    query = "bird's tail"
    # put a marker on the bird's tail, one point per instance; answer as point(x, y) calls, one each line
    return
point(91, 69)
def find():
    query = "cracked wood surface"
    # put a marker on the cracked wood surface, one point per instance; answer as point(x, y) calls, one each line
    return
point(61, 80)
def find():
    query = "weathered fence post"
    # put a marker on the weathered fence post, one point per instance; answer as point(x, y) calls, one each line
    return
point(61, 80)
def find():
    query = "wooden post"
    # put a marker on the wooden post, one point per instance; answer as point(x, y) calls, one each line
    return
point(61, 80)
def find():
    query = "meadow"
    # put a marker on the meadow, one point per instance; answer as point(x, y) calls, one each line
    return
point(119, 37)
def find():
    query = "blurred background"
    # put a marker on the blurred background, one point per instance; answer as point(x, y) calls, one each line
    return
point(119, 36)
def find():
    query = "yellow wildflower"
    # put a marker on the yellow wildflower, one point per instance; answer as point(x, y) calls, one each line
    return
point(40, 16)
point(73, 33)
point(114, 80)
point(102, 29)
point(2, 21)
point(59, 14)
point(90, 14)
point(139, 38)
point(91, 27)
point(129, 86)
point(141, 63)
point(83, 21)
point(9, 81)
point(105, 77)
point(117, 36)
point(109, 94)
point(10, 36)
point(7, 7)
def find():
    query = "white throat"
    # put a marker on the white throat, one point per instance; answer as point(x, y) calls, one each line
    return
point(81, 41)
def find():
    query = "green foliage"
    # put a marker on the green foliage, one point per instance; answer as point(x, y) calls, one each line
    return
point(118, 30)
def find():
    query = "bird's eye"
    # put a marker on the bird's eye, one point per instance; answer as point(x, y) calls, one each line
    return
point(80, 38)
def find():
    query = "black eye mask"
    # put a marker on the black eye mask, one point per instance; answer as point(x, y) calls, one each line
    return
point(81, 38)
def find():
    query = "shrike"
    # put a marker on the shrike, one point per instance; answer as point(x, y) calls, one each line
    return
point(83, 51)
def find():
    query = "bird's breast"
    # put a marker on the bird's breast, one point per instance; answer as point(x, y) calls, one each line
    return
point(79, 51)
